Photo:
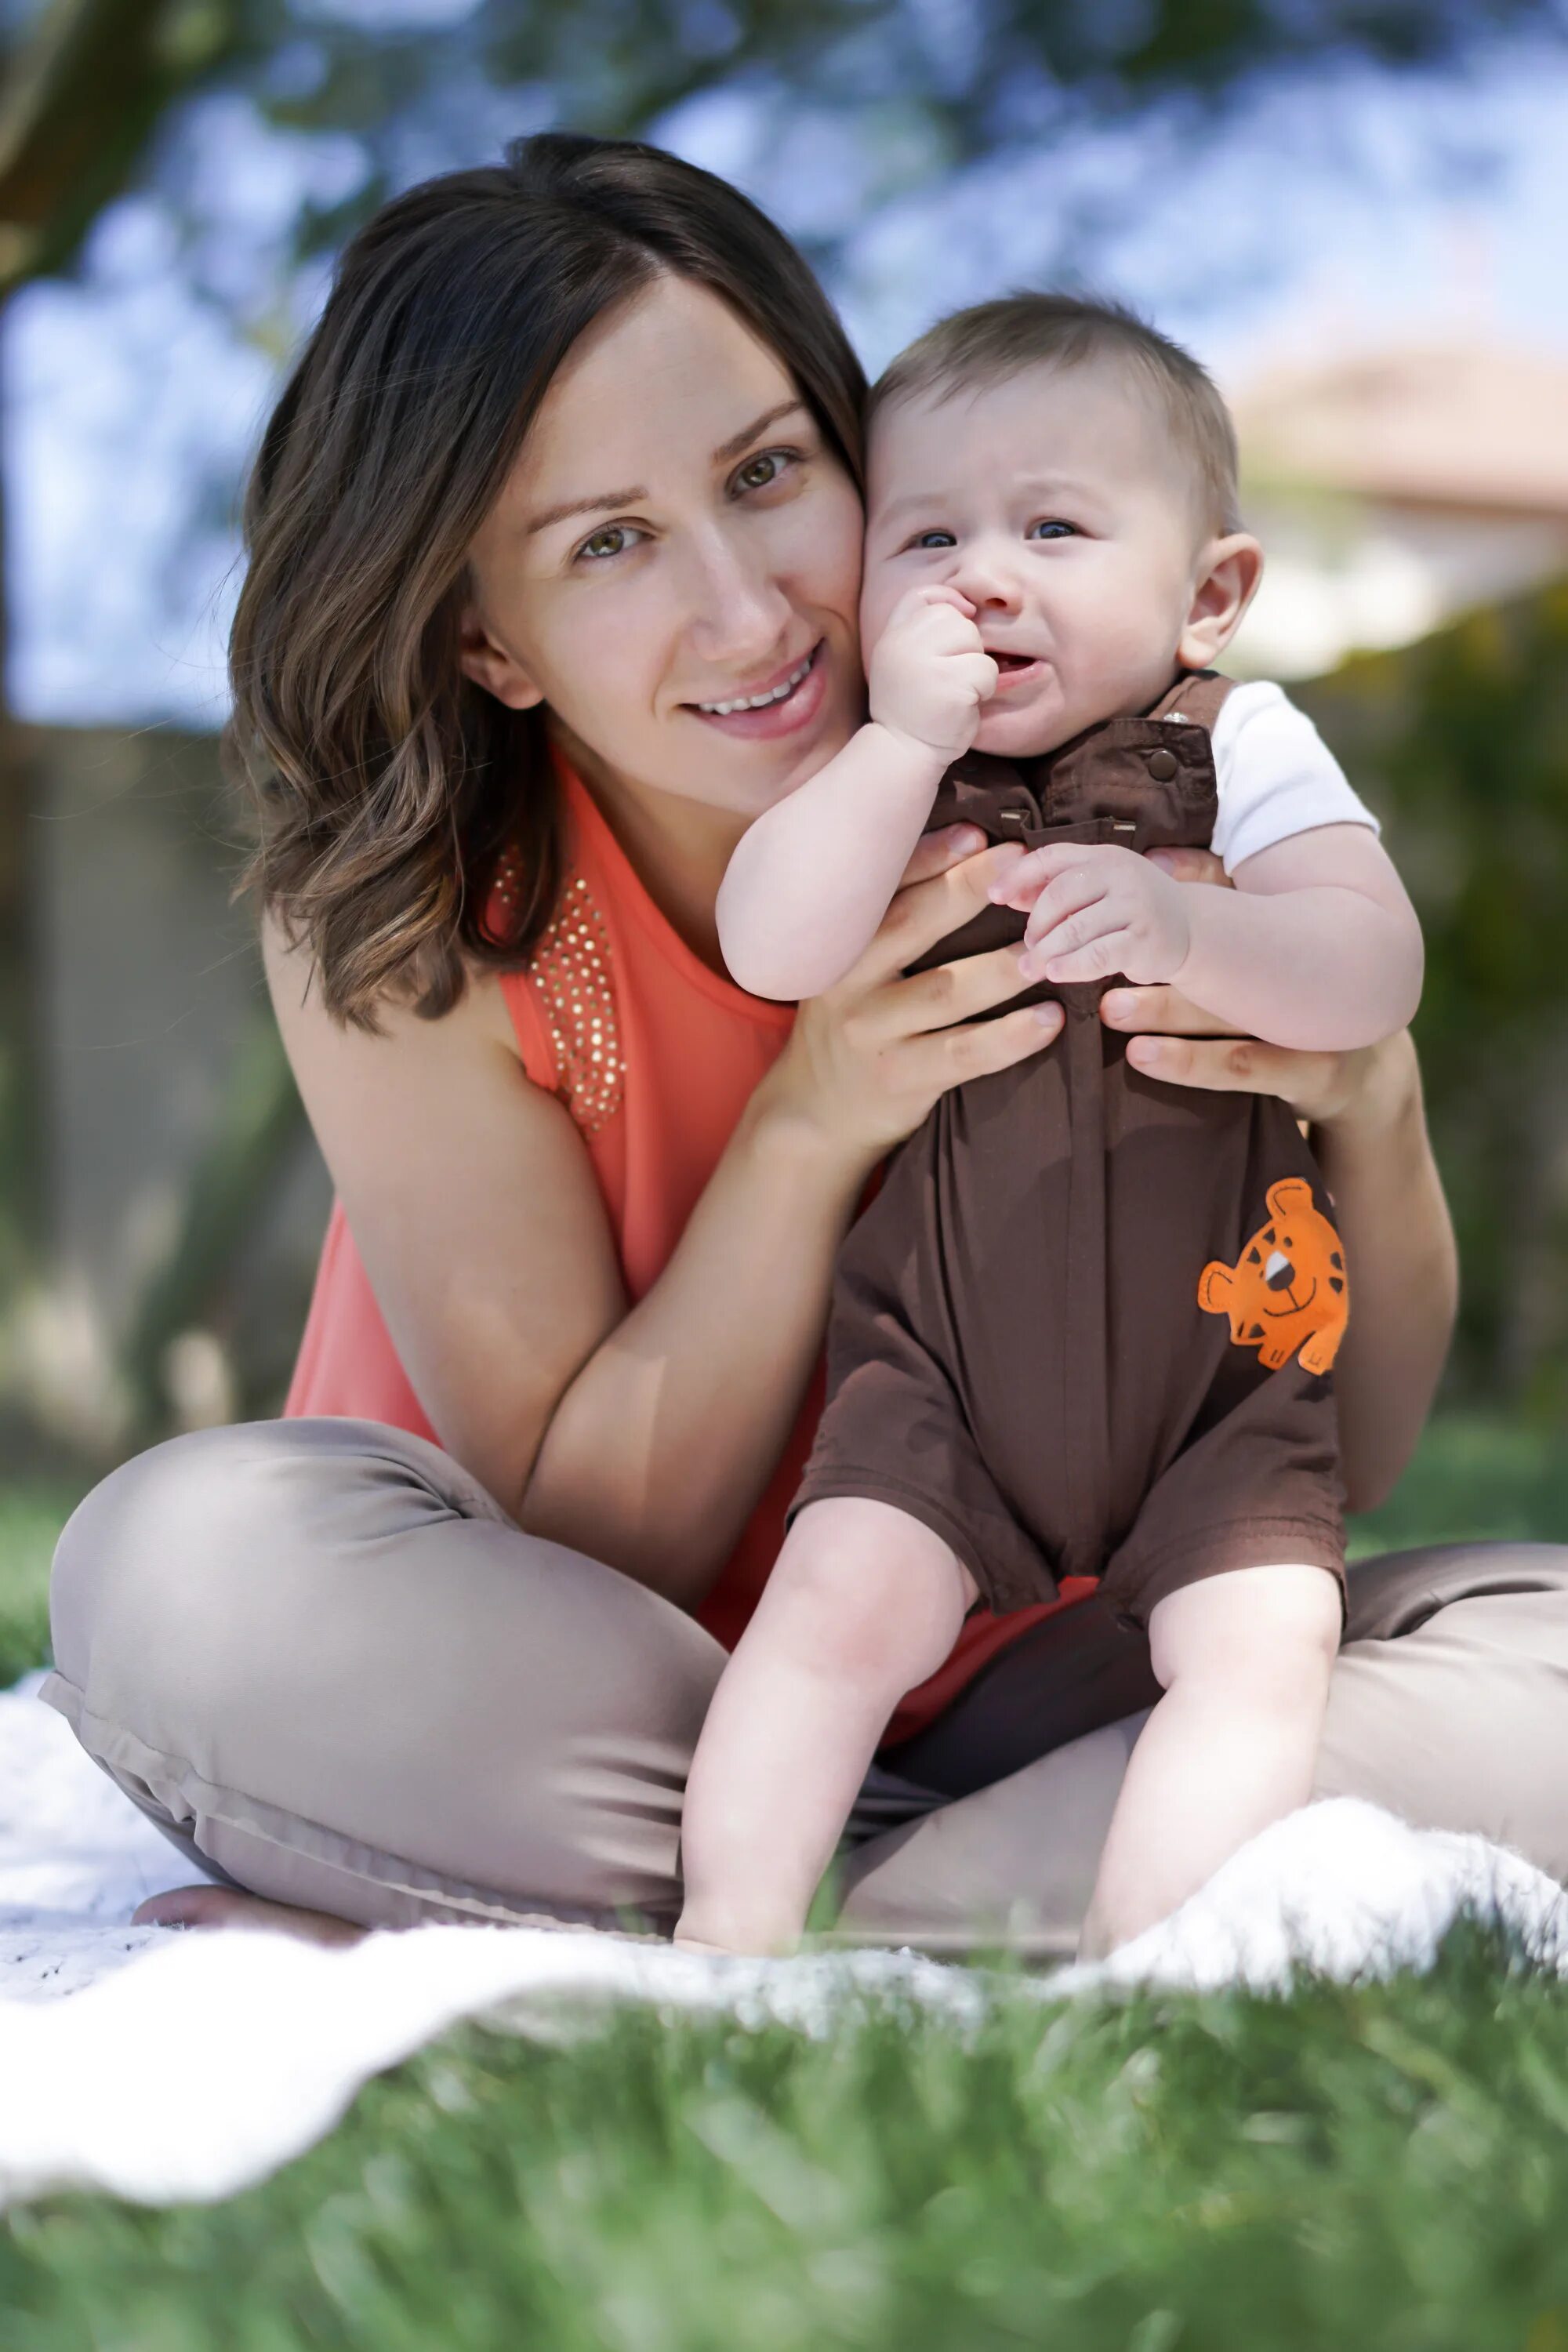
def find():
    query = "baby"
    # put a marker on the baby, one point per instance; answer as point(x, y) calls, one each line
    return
point(1086, 1325)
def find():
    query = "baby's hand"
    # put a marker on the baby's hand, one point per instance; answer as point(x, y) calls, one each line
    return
point(929, 672)
point(1096, 910)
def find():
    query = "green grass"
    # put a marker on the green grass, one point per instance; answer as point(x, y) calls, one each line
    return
point(1353, 2168)
point(1357, 2168)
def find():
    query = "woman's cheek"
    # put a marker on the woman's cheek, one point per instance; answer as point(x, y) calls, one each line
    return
point(629, 645)
point(822, 536)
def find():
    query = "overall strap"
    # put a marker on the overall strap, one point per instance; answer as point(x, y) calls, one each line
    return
point(1199, 695)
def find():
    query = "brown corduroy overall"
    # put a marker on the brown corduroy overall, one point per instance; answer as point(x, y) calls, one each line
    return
point(1085, 1326)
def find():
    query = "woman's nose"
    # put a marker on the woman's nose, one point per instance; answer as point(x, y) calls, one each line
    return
point(738, 609)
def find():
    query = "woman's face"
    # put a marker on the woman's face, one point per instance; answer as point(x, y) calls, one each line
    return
point(676, 539)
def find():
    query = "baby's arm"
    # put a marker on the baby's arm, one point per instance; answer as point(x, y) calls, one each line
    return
point(1316, 947)
point(1245, 1659)
point(812, 878)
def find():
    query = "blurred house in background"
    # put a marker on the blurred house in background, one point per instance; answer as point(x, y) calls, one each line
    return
point(1395, 489)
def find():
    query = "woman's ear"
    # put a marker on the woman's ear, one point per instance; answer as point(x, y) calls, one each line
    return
point(1228, 572)
point(491, 666)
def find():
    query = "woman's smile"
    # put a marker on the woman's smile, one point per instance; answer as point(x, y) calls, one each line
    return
point(782, 705)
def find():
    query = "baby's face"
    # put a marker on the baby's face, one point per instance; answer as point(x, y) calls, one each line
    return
point(1057, 504)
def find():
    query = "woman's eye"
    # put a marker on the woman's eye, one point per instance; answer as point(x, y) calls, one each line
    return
point(614, 540)
point(1052, 528)
point(760, 472)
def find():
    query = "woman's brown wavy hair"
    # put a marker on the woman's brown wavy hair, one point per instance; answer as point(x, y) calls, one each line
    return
point(383, 785)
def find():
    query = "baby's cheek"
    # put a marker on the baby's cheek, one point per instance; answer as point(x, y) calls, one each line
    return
point(1134, 645)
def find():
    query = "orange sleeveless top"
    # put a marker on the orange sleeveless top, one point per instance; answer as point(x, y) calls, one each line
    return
point(654, 1056)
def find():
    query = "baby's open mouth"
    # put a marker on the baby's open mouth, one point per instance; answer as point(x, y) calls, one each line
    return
point(1014, 669)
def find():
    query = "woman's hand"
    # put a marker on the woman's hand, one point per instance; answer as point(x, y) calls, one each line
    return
point(1177, 1042)
point(868, 1057)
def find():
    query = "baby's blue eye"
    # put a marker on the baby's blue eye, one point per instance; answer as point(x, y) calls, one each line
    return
point(935, 538)
point(1052, 528)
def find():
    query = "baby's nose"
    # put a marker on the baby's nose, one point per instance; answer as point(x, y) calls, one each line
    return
point(985, 582)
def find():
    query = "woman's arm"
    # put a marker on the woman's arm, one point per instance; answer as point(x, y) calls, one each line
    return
point(643, 1434)
point(1368, 1127)
point(1376, 1158)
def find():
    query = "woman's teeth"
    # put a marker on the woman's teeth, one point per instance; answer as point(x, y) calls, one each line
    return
point(759, 701)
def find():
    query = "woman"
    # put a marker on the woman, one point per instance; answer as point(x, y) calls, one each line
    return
point(555, 544)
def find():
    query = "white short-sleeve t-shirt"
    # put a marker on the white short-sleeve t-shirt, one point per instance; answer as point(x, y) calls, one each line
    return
point(1275, 775)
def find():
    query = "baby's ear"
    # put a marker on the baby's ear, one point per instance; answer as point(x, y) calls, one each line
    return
point(1225, 583)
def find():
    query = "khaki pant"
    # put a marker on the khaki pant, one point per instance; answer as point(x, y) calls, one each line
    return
point(324, 1661)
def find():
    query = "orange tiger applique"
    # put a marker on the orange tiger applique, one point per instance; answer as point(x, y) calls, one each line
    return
point(1287, 1291)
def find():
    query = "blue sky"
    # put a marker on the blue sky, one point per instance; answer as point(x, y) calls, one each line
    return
point(1341, 212)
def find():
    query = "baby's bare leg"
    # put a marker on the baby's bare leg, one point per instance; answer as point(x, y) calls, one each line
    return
point(1245, 1659)
point(863, 1603)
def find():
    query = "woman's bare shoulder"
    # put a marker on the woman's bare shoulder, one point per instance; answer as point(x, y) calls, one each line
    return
point(473, 1204)
point(295, 988)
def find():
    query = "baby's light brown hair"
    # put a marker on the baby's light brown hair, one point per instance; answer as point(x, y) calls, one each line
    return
point(991, 342)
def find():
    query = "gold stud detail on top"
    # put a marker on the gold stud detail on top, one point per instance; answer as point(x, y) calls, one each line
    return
point(572, 977)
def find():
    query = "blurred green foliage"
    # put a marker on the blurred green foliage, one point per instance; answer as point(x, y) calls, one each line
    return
point(1460, 743)
point(32, 1513)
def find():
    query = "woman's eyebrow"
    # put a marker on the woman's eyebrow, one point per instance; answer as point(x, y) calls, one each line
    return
point(601, 500)
point(738, 441)
point(594, 505)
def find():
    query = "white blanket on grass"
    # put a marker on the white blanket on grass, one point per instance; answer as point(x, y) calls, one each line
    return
point(165, 2066)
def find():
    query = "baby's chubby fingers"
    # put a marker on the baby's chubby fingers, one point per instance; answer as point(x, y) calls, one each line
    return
point(1091, 948)
point(935, 591)
point(1069, 896)
point(1023, 882)
point(1076, 907)
point(927, 673)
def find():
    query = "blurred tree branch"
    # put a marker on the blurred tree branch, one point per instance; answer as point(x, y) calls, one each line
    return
point(83, 94)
